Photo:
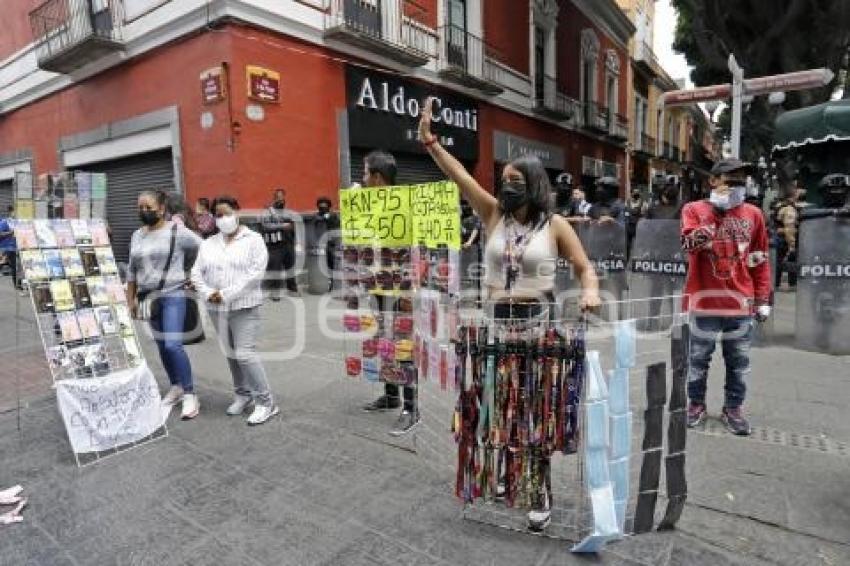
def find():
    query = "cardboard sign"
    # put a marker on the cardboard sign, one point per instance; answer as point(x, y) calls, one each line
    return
point(102, 413)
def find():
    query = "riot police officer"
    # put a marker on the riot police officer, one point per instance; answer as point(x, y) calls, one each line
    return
point(608, 207)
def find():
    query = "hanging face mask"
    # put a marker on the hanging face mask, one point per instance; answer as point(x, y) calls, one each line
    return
point(148, 217)
point(227, 224)
point(512, 196)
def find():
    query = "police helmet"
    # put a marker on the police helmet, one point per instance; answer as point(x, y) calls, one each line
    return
point(834, 188)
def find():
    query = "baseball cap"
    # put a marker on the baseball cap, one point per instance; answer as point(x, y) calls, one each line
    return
point(728, 165)
point(564, 179)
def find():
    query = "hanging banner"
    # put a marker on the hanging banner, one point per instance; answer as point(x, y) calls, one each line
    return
point(402, 216)
point(102, 413)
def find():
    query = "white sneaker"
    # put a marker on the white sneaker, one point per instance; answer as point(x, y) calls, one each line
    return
point(174, 394)
point(539, 519)
point(238, 405)
point(262, 413)
point(191, 406)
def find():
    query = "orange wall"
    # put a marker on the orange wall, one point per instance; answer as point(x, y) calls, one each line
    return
point(296, 147)
point(169, 77)
point(16, 31)
point(506, 30)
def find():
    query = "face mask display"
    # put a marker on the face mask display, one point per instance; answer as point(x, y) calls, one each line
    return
point(227, 224)
point(512, 196)
point(148, 217)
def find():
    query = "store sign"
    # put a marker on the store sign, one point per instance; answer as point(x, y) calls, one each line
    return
point(507, 147)
point(263, 84)
point(212, 85)
point(383, 112)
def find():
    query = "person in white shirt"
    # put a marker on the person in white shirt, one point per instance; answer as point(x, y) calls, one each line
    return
point(228, 275)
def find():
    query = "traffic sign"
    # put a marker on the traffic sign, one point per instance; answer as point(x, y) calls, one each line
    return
point(702, 94)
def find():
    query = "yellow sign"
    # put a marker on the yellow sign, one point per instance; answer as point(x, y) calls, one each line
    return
point(402, 216)
point(435, 211)
point(24, 209)
point(376, 216)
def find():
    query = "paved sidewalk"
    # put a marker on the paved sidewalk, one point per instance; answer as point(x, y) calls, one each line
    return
point(317, 486)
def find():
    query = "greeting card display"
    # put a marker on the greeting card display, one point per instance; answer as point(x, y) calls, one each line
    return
point(78, 298)
point(25, 236)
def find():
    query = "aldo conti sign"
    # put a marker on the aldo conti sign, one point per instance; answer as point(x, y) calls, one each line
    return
point(383, 111)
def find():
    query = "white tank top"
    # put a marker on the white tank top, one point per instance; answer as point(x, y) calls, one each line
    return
point(537, 267)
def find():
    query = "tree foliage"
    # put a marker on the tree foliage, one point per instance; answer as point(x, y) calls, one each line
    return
point(768, 37)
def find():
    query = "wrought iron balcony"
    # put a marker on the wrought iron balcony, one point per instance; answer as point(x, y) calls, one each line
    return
point(468, 60)
point(647, 145)
point(619, 127)
point(549, 101)
point(70, 34)
point(380, 26)
point(596, 118)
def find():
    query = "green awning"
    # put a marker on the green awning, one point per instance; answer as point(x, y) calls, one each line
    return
point(829, 121)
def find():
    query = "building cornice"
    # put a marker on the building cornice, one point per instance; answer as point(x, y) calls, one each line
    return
point(610, 18)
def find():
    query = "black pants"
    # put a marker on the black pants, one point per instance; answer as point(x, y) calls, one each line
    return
point(782, 256)
point(279, 269)
point(12, 261)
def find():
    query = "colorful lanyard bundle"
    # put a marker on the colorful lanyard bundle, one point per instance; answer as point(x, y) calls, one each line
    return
point(517, 404)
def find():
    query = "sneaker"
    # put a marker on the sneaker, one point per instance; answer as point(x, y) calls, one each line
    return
point(407, 421)
point(262, 413)
point(191, 406)
point(539, 519)
point(501, 490)
point(382, 403)
point(736, 423)
point(239, 404)
point(173, 396)
point(696, 413)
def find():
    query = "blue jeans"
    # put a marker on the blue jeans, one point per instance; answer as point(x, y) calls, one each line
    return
point(737, 333)
point(168, 335)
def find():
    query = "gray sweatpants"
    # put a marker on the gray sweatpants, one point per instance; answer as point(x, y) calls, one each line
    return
point(238, 331)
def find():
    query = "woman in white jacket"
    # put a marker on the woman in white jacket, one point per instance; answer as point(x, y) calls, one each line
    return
point(228, 275)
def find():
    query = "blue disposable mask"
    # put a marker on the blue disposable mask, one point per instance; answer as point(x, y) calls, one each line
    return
point(730, 200)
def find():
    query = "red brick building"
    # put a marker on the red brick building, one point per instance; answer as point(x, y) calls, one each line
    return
point(158, 93)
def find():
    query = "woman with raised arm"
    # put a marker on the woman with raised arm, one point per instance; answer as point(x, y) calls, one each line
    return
point(523, 243)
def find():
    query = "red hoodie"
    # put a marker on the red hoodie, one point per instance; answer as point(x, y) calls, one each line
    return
point(728, 271)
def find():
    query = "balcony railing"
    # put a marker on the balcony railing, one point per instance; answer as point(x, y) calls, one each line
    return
point(645, 57)
point(70, 34)
point(647, 145)
point(596, 117)
point(550, 101)
point(380, 26)
point(619, 127)
point(467, 59)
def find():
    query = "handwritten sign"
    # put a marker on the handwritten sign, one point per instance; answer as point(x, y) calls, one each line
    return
point(376, 216)
point(435, 212)
point(402, 216)
point(104, 413)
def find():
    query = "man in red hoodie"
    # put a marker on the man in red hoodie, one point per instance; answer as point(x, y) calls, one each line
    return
point(728, 287)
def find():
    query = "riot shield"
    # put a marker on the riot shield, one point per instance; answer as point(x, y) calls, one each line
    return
point(605, 246)
point(823, 286)
point(657, 272)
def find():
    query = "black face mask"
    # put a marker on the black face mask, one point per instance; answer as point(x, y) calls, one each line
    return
point(324, 210)
point(279, 204)
point(512, 196)
point(148, 217)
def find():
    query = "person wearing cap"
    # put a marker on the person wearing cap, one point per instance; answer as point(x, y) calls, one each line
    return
point(608, 206)
point(728, 287)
